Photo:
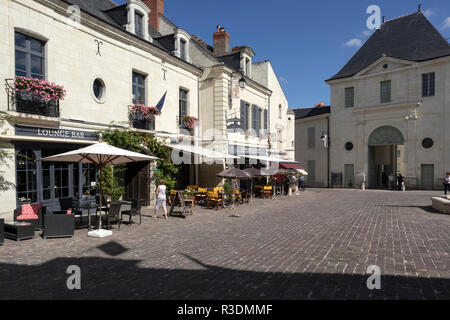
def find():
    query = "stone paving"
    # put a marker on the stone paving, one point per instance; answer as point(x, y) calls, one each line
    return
point(316, 245)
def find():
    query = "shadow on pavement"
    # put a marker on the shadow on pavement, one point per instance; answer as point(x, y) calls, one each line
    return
point(114, 278)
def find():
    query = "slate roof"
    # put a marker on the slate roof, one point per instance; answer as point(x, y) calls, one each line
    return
point(411, 37)
point(113, 14)
point(302, 113)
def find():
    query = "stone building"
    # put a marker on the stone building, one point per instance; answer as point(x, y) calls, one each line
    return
point(311, 147)
point(390, 108)
point(108, 57)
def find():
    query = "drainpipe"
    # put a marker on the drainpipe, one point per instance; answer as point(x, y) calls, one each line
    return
point(199, 134)
point(328, 152)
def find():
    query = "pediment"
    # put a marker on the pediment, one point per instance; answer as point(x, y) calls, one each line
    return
point(385, 64)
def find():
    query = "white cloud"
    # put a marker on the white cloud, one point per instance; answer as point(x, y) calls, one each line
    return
point(428, 13)
point(446, 23)
point(367, 33)
point(355, 42)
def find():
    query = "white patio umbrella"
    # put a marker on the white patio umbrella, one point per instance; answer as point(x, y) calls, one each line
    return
point(101, 154)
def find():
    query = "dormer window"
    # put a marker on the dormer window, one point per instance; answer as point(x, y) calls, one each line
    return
point(139, 24)
point(183, 49)
point(247, 67)
point(137, 17)
point(182, 39)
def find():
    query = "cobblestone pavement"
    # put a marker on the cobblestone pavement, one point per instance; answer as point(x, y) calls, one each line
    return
point(316, 245)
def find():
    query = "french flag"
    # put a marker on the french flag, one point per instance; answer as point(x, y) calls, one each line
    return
point(160, 104)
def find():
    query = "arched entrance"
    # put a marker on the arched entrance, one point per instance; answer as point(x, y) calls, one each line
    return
point(386, 157)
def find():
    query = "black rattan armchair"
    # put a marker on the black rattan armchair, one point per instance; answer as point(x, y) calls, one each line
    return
point(37, 223)
point(135, 211)
point(113, 215)
point(58, 225)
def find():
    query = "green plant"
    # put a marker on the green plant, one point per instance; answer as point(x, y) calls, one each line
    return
point(146, 144)
point(4, 155)
point(227, 186)
point(189, 192)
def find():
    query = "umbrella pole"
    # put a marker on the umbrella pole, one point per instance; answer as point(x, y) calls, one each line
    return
point(101, 199)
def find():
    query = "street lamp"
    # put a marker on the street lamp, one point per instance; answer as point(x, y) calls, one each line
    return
point(242, 81)
point(324, 139)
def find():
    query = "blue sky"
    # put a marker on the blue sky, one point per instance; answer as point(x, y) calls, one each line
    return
point(306, 41)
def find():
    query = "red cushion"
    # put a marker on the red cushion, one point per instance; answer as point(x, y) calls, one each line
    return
point(69, 211)
point(29, 212)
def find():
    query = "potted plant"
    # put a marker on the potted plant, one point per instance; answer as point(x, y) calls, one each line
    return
point(189, 122)
point(144, 111)
point(46, 90)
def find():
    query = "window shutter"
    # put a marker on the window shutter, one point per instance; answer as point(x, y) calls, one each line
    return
point(254, 118)
point(311, 137)
point(265, 121)
point(243, 115)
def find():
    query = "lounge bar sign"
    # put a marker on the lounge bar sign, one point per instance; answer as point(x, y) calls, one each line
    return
point(56, 133)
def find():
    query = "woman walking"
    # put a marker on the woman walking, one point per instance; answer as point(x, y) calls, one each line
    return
point(161, 199)
point(447, 183)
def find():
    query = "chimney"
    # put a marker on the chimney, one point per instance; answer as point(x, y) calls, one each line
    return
point(420, 8)
point(156, 7)
point(221, 41)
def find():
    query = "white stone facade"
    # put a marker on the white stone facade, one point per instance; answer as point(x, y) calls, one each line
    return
point(416, 117)
point(72, 59)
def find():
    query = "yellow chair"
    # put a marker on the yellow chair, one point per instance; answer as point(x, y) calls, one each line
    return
point(200, 196)
point(213, 198)
point(267, 191)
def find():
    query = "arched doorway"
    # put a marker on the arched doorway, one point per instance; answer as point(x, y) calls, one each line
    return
point(386, 157)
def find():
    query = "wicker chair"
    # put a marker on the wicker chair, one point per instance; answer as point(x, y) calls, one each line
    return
point(58, 224)
point(113, 215)
point(135, 211)
point(39, 210)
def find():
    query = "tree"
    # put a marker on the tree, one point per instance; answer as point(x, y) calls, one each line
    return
point(5, 185)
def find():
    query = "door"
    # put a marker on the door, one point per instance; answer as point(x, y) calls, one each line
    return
point(137, 182)
point(427, 179)
point(349, 176)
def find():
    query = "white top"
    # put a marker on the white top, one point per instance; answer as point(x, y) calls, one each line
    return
point(447, 179)
point(162, 192)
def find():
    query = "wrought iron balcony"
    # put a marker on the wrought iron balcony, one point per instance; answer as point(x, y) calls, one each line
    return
point(30, 103)
point(139, 121)
point(183, 127)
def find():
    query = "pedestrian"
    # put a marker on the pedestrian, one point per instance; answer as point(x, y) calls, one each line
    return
point(384, 179)
point(301, 183)
point(161, 198)
point(391, 181)
point(399, 182)
point(447, 183)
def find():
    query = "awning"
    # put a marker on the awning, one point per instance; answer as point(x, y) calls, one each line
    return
point(206, 153)
point(291, 165)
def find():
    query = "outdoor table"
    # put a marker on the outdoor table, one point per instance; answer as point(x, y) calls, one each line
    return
point(19, 230)
point(88, 207)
